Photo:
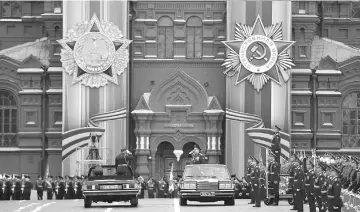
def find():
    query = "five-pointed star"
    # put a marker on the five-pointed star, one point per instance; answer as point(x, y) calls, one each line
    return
point(69, 44)
point(258, 29)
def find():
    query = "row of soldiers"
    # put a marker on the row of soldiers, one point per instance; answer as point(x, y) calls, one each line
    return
point(310, 181)
point(17, 188)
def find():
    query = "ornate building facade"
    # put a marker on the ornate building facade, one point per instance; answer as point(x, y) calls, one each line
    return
point(174, 88)
point(324, 90)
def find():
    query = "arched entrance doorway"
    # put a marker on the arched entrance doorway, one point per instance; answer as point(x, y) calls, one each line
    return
point(179, 111)
point(164, 159)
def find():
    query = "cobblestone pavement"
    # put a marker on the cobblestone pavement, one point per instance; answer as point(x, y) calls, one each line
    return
point(145, 205)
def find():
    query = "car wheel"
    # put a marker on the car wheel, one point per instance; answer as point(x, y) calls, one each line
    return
point(268, 201)
point(291, 201)
point(87, 202)
point(230, 201)
point(134, 201)
point(182, 201)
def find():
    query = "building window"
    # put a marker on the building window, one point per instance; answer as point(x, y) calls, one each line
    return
point(343, 33)
point(165, 42)
point(8, 119)
point(11, 9)
point(194, 38)
point(355, 9)
point(302, 51)
point(293, 34)
point(302, 5)
point(326, 33)
point(351, 120)
point(302, 35)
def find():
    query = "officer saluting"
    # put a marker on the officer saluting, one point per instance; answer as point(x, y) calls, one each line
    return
point(275, 144)
point(196, 156)
point(125, 157)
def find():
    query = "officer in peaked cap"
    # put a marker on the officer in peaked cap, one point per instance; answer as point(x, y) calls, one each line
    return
point(334, 192)
point(252, 178)
point(256, 185)
point(293, 166)
point(275, 144)
point(125, 157)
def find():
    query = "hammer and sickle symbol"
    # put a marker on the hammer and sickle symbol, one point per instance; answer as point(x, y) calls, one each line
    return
point(260, 56)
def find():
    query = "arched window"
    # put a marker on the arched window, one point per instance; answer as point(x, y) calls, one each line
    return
point(11, 9)
point(8, 119)
point(351, 120)
point(302, 35)
point(165, 38)
point(194, 38)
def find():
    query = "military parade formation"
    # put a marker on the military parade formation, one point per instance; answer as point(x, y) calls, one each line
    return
point(310, 179)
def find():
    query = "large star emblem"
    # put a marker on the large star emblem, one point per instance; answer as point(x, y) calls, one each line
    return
point(94, 53)
point(258, 54)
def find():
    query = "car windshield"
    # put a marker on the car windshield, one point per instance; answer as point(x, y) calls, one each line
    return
point(217, 172)
point(110, 171)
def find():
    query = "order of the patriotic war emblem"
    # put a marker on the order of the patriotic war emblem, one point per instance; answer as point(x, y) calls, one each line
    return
point(95, 52)
point(258, 54)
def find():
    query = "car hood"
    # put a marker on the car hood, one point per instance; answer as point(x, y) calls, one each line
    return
point(202, 179)
point(110, 182)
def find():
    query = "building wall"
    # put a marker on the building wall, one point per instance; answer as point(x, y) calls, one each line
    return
point(39, 94)
point(152, 62)
point(317, 92)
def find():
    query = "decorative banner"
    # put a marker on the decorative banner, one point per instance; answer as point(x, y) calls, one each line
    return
point(260, 135)
point(257, 54)
point(80, 137)
point(95, 52)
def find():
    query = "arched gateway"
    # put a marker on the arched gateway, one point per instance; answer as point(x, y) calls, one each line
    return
point(176, 113)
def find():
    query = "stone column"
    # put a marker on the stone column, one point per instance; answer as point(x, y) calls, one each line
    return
point(142, 153)
point(213, 149)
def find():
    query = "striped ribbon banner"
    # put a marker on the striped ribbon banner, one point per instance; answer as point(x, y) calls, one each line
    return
point(77, 138)
point(258, 133)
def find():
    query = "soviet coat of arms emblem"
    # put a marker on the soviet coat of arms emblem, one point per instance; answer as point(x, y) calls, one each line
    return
point(258, 54)
point(94, 52)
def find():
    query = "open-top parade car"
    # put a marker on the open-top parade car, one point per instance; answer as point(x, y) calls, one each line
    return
point(206, 183)
point(108, 183)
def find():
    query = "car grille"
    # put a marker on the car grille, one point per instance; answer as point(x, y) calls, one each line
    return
point(207, 185)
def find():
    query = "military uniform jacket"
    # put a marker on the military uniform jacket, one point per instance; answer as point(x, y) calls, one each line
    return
point(299, 180)
point(353, 178)
point(150, 184)
point(248, 175)
point(357, 186)
point(291, 175)
point(275, 172)
point(123, 158)
point(309, 182)
point(275, 146)
point(336, 191)
point(255, 180)
point(262, 187)
point(39, 186)
point(324, 188)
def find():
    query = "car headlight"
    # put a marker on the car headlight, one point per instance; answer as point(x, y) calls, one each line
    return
point(131, 186)
point(91, 187)
point(226, 186)
point(84, 187)
point(191, 186)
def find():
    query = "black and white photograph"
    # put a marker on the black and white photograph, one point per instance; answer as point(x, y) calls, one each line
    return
point(179, 106)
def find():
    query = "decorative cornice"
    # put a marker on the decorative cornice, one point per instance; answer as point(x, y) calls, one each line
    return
point(143, 63)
